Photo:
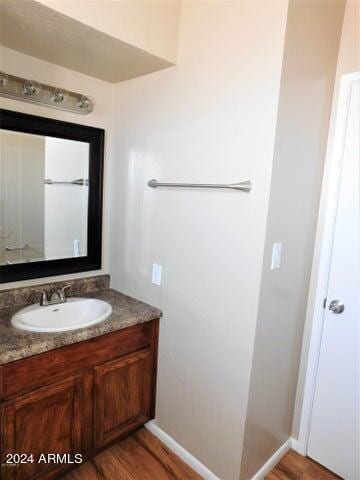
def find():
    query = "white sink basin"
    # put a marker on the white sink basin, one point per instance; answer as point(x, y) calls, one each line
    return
point(74, 313)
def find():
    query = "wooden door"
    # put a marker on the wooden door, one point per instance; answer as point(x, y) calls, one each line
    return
point(46, 421)
point(123, 395)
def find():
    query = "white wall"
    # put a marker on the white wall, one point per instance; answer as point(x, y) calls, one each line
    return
point(314, 28)
point(101, 92)
point(348, 62)
point(210, 119)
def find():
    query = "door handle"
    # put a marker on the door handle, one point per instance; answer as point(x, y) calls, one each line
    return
point(336, 306)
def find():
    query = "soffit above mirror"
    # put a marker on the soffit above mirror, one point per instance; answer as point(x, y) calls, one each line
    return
point(32, 28)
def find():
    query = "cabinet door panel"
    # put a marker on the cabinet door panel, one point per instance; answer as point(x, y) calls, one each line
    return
point(45, 421)
point(123, 393)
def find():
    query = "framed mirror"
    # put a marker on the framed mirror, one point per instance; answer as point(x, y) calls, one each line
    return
point(51, 181)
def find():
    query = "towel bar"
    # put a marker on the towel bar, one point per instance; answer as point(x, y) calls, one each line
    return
point(79, 181)
point(244, 186)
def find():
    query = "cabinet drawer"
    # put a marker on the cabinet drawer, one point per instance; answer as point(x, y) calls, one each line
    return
point(33, 372)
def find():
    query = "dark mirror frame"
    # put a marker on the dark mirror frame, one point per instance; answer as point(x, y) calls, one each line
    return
point(20, 122)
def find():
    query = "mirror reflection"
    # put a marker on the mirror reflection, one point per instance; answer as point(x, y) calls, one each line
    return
point(43, 197)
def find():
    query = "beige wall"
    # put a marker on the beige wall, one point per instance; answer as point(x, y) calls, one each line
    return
point(210, 119)
point(29, 67)
point(151, 25)
point(314, 29)
point(349, 53)
point(348, 62)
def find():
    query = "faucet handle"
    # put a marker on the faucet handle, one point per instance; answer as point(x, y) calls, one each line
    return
point(43, 298)
point(62, 293)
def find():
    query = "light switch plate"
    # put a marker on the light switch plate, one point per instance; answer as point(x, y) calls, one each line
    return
point(156, 274)
point(276, 256)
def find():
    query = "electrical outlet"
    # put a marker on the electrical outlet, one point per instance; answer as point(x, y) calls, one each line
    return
point(156, 274)
point(276, 256)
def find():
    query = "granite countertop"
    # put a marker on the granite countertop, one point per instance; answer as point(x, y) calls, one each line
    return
point(16, 344)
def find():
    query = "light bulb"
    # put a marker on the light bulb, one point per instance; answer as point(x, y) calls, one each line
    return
point(31, 87)
point(59, 95)
point(84, 102)
point(4, 79)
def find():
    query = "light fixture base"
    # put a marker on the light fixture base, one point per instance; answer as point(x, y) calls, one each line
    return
point(30, 91)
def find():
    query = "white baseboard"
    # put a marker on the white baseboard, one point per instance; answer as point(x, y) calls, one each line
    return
point(298, 447)
point(180, 451)
point(274, 460)
point(202, 470)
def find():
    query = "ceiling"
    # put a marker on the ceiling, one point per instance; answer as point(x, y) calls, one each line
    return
point(39, 31)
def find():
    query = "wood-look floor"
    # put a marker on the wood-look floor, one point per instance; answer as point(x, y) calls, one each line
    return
point(139, 457)
point(296, 467)
point(143, 457)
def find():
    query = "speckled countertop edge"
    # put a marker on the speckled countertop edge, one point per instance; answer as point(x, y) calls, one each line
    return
point(17, 344)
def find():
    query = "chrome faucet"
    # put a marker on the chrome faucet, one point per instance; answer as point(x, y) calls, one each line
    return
point(57, 296)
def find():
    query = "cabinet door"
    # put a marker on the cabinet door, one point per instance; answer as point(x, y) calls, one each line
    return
point(123, 395)
point(48, 420)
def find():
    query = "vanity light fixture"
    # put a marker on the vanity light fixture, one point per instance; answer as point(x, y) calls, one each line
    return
point(32, 91)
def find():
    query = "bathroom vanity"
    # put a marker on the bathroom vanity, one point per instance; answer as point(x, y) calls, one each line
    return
point(74, 392)
point(64, 395)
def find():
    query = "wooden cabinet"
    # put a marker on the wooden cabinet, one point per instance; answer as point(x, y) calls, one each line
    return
point(46, 421)
point(103, 392)
point(122, 395)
